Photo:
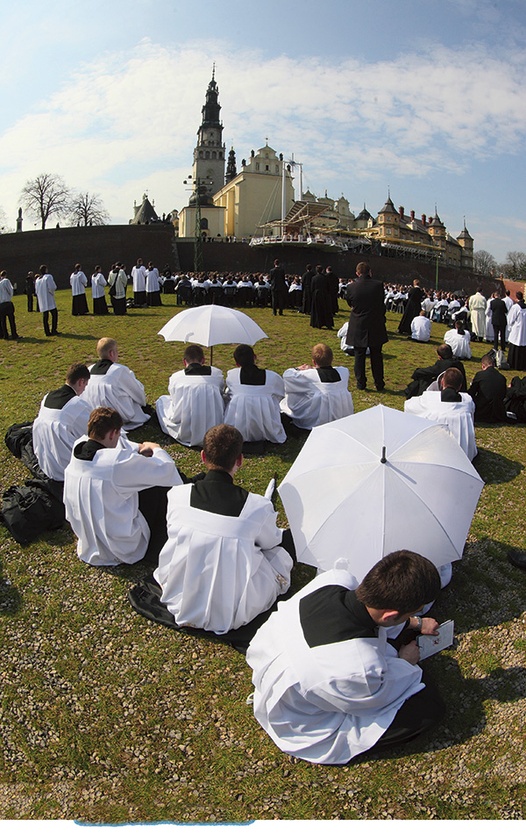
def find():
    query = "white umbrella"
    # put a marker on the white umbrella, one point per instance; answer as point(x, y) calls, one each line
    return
point(375, 482)
point(212, 324)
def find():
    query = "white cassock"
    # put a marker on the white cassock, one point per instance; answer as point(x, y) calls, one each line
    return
point(195, 404)
point(309, 402)
point(138, 274)
point(119, 389)
point(78, 282)
point(489, 333)
point(328, 703)
point(254, 409)
point(219, 572)
point(102, 501)
point(421, 328)
point(152, 280)
point(517, 325)
point(460, 344)
point(456, 417)
point(477, 312)
point(98, 285)
point(55, 431)
point(45, 288)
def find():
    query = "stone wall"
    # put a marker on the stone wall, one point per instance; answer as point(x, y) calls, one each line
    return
point(61, 248)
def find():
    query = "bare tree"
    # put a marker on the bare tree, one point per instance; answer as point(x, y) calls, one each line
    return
point(514, 266)
point(45, 196)
point(484, 263)
point(88, 209)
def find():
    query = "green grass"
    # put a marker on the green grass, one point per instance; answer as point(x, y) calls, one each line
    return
point(105, 717)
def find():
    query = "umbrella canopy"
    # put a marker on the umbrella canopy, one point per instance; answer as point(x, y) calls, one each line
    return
point(375, 482)
point(212, 324)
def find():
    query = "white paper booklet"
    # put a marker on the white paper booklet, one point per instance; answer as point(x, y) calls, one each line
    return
point(433, 644)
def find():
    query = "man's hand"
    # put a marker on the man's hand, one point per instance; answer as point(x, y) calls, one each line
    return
point(147, 448)
point(304, 367)
point(429, 627)
point(410, 652)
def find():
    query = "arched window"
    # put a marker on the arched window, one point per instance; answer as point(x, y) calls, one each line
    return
point(204, 223)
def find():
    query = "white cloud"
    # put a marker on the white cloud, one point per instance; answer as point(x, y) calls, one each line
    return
point(127, 121)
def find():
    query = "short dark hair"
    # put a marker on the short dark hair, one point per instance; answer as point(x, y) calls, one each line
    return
point(445, 351)
point(322, 355)
point(488, 359)
point(363, 269)
point(103, 420)
point(244, 355)
point(403, 581)
point(222, 446)
point(194, 353)
point(75, 372)
point(452, 378)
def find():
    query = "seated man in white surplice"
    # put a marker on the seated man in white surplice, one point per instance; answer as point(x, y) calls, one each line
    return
point(317, 393)
point(255, 395)
point(62, 419)
point(114, 385)
point(195, 402)
point(449, 408)
point(223, 563)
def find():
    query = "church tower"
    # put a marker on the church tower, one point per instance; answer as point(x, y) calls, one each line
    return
point(208, 172)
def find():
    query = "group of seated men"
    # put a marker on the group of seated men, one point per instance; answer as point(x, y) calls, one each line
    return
point(329, 681)
point(252, 399)
point(332, 675)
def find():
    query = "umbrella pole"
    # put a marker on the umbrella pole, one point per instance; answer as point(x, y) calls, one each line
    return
point(211, 356)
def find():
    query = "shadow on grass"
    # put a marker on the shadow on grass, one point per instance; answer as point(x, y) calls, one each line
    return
point(494, 468)
point(10, 597)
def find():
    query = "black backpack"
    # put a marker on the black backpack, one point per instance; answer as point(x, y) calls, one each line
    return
point(31, 509)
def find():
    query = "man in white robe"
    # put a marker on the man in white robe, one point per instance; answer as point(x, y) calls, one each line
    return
point(450, 408)
point(195, 401)
point(223, 563)
point(62, 419)
point(317, 393)
point(421, 327)
point(98, 292)
point(45, 288)
point(254, 397)
point(115, 386)
point(102, 486)
point(78, 282)
point(138, 274)
point(328, 683)
point(477, 314)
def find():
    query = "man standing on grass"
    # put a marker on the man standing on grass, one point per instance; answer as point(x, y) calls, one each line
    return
point(329, 684)
point(45, 288)
point(367, 325)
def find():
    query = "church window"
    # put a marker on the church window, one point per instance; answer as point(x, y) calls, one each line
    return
point(207, 155)
point(267, 167)
point(213, 155)
point(204, 223)
point(257, 167)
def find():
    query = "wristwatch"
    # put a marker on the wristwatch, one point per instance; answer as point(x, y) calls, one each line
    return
point(418, 620)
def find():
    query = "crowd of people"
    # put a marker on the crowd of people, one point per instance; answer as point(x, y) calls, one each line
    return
point(335, 666)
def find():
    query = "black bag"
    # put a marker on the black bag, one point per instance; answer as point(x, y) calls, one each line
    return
point(29, 510)
point(515, 399)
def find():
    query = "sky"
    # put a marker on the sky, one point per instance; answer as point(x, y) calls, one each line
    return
point(421, 99)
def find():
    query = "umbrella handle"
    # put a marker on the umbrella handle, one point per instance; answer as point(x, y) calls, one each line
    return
point(383, 459)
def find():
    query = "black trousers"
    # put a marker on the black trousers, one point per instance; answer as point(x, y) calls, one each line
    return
point(419, 713)
point(499, 331)
point(377, 366)
point(54, 321)
point(7, 313)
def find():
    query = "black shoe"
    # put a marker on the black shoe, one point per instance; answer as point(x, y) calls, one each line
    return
point(55, 332)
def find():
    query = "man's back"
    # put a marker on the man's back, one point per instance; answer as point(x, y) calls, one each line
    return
point(116, 386)
point(62, 419)
point(367, 318)
point(253, 407)
point(222, 564)
point(194, 404)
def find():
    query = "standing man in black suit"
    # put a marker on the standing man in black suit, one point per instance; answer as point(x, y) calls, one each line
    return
point(278, 288)
point(367, 325)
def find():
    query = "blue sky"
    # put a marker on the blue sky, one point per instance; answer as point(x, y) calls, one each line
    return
point(420, 97)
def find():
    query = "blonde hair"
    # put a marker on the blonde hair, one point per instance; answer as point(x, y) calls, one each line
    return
point(105, 346)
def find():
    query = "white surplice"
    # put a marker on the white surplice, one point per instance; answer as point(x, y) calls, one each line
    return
point(328, 703)
point(219, 572)
point(456, 417)
point(55, 431)
point(309, 402)
point(195, 404)
point(102, 501)
point(254, 409)
point(119, 389)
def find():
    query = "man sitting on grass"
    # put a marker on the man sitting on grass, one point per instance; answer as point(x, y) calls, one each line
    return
point(224, 562)
point(254, 395)
point(62, 419)
point(317, 393)
point(115, 386)
point(328, 683)
point(115, 493)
